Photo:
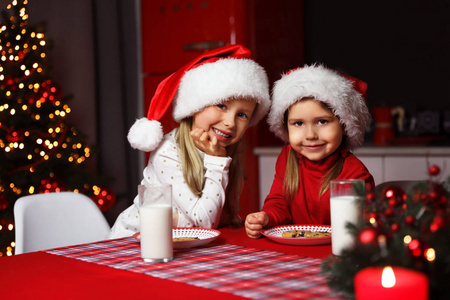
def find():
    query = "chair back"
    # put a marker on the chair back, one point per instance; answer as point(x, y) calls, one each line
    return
point(44, 221)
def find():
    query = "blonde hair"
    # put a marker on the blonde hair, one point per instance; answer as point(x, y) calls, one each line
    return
point(291, 175)
point(193, 171)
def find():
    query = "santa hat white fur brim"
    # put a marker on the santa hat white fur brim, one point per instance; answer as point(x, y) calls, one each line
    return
point(212, 83)
point(324, 85)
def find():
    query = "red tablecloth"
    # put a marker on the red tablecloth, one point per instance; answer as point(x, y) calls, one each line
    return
point(237, 236)
point(42, 275)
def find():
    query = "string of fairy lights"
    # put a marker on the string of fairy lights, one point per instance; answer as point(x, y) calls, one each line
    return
point(46, 92)
point(28, 96)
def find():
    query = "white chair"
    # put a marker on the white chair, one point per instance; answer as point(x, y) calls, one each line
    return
point(44, 221)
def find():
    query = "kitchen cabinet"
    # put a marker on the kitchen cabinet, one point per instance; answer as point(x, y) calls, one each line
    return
point(384, 163)
point(404, 163)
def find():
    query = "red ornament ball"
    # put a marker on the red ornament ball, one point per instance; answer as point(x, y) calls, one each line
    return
point(21, 55)
point(395, 227)
point(389, 212)
point(409, 220)
point(370, 197)
point(50, 91)
point(32, 99)
point(394, 195)
point(437, 196)
point(3, 202)
point(104, 197)
point(415, 247)
point(368, 236)
point(52, 185)
point(437, 223)
point(10, 82)
point(425, 198)
point(442, 201)
point(434, 195)
point(434, 170)
point(392, 202)
point(14, 136)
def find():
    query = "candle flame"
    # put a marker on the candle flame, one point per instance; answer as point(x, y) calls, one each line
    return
point(388, 277)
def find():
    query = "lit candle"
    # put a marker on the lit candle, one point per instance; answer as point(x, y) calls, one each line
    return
point(390, 283)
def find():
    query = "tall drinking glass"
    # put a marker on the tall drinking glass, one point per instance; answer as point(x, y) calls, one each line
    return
point(346, 206)
point(156, 222)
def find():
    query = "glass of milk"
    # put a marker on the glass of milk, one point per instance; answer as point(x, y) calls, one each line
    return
point(155, 210)
point(346, 206)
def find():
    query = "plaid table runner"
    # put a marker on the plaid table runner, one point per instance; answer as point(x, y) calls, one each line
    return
point(247, 272)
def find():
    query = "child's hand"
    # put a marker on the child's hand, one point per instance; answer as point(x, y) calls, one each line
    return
point(254, 223)
point(208, 144)
point(175, 219)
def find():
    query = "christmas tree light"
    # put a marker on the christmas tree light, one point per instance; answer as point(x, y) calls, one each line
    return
point(40, 151)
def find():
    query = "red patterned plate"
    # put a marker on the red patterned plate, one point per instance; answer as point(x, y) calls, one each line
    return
point(274, 234)
point(205, 236)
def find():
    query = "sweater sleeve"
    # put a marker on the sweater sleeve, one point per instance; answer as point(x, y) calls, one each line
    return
point(276, 205)
point(354, 168)
point(127, 222)
point(194, 211)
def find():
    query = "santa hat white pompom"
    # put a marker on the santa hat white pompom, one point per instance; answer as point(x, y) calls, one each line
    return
point(145, 134)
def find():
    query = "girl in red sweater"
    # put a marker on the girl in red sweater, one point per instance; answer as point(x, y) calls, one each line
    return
point(322, 115)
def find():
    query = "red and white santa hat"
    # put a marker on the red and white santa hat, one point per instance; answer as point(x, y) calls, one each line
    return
point(211, 78)
point(344, 94)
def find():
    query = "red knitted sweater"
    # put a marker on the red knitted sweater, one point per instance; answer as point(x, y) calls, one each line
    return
point(308, 207)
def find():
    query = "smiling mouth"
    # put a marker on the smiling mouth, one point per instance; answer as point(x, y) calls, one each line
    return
point(313, 147)
point(222, 134)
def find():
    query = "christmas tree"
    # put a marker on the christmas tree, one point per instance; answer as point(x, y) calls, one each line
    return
point(40, 151)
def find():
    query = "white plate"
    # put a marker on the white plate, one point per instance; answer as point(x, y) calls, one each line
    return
point(205, 236)
point(274, 234)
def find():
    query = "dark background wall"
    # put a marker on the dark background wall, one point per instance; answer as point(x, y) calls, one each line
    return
point(400, 48)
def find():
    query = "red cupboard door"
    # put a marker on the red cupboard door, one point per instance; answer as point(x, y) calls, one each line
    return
point(176, 31)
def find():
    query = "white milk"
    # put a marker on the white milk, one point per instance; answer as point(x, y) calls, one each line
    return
point(343, 209)
point(156, 233)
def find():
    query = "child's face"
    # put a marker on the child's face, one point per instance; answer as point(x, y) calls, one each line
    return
point(226, 121)
point(314, 131)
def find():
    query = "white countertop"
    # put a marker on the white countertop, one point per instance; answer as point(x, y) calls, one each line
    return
point(375, 151)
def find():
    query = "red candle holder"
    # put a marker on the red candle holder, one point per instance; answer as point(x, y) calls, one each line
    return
point(390, 283)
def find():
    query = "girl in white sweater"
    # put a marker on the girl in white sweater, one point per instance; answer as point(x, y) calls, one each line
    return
point(214, 98)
